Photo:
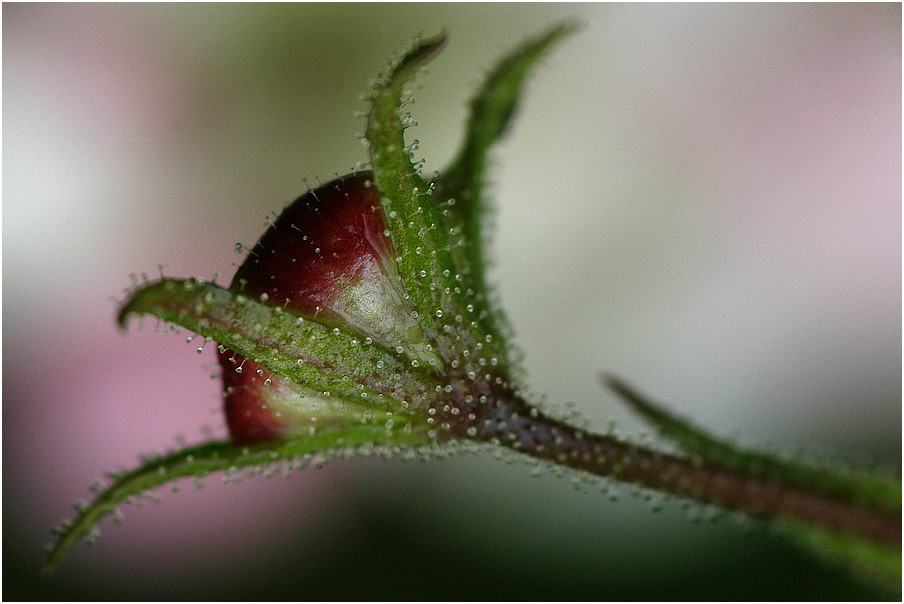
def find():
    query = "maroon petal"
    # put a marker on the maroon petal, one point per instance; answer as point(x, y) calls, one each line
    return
point(328, 237)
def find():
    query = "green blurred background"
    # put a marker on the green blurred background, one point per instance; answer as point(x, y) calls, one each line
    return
point(702, 199)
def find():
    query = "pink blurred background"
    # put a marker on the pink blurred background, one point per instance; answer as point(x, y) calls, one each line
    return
point(704, 200)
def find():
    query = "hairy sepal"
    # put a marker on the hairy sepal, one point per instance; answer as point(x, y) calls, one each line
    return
point(323, 359)
point(226, 457)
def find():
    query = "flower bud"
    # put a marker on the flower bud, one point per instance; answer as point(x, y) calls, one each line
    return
point(329, 258)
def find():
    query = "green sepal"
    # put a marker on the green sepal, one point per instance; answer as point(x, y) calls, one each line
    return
point(414, 223)
point(492, 109)
point(323, 359)
point(205, 459)
point(460, 187)
point(436, 233)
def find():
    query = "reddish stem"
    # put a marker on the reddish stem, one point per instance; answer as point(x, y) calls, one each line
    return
point(511, 422)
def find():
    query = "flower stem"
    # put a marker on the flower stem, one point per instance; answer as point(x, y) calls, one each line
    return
point(513, 423)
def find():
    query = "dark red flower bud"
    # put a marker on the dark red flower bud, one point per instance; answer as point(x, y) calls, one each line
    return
point(329, 258)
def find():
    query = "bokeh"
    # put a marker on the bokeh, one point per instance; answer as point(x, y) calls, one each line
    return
point(702, 199)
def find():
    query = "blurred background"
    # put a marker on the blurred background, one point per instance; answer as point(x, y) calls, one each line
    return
point(703, 200)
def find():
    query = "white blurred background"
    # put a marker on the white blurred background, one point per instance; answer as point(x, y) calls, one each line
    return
point(702, 199)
